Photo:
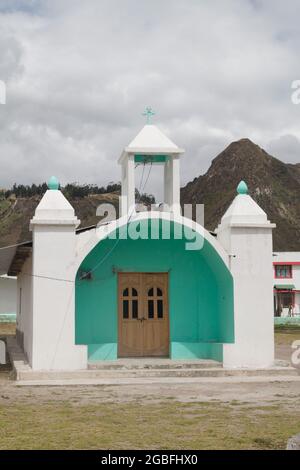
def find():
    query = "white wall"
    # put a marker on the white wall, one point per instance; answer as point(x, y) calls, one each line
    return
point(251, 267)
point(54, 300)
point(8, 295)
point(280, 256)
point(24, 308)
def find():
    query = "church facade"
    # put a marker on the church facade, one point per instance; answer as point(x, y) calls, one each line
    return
point(149, 284)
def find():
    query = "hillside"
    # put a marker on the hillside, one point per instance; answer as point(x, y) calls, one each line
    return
point(295, 170)
point(15, 214)
point(274, 185)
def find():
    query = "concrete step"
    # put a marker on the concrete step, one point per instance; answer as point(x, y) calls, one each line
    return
point(153, 364)
point(144, 370)
point(107, 375)
point(144, 381)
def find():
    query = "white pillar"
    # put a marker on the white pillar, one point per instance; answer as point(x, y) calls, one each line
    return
point(246, 234)
point(172, 183)
point(128, 185)
point(53, 303)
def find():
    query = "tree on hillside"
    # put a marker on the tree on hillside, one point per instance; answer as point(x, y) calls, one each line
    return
point(73, 191)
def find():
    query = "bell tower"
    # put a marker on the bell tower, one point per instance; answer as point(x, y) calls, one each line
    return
point(151, 147)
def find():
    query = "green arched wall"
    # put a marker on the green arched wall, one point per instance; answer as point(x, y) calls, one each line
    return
point(200, 293)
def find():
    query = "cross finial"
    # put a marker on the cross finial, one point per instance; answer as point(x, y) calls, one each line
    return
point(148, 113)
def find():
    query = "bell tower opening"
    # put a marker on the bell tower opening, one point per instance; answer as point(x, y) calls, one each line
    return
point(151, 147)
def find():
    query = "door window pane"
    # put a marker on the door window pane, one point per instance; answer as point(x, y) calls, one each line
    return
point(283, 271)
point(160, 309)
point(134, 309)
point(134, 292)
point(125, 309)
point(150, 309)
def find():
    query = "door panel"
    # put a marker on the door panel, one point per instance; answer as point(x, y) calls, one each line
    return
point(156, 323)
point(130, 311)
point(143, 315)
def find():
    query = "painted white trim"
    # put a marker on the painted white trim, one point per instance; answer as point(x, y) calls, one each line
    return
point(75, 222)
point(86, 244)
point(245, 225)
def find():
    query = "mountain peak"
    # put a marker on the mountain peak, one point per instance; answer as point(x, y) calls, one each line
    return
point(243, 148)
point(274, 185)
point(244, 140)
point(240, 161)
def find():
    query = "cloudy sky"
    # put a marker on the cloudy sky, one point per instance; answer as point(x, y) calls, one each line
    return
point(79, 74)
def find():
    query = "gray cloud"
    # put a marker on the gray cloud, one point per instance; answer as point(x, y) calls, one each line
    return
point(285, 147)
point(79, 75)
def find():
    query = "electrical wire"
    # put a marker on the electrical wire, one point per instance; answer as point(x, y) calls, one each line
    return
point(147, 177)
point(105, 256)
point(129, 218)
point(62, 325)
point(117, 241)
point(14, 246)
point(87, 273)
point(47, 277)
point(141, 181)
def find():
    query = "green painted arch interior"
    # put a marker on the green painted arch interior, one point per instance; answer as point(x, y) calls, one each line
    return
point(200, 292)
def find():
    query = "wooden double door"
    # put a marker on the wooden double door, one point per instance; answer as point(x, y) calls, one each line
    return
point(143, 315)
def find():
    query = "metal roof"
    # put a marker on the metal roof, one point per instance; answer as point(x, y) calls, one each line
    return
point(13, 256)
point(284, 286)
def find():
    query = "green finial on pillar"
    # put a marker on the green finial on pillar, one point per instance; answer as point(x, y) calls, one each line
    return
point(53, 183)
point(149, 113)
point(242, 188)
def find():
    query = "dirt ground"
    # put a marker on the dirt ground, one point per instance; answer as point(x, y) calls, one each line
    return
point(283, 341)
point(225, 391)
point(219, 414)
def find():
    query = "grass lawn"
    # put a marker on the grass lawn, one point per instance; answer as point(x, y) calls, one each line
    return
point(136, 426)
point(7, 329)
point(198, 416)
point(287, 336)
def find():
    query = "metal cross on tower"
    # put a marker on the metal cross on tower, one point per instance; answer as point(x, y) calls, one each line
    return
point(149, 113)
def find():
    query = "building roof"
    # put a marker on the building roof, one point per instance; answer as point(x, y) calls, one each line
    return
point(244, 211)
point(54, 208)
point(13, 257)
point(286, 257)
point(151, 141)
